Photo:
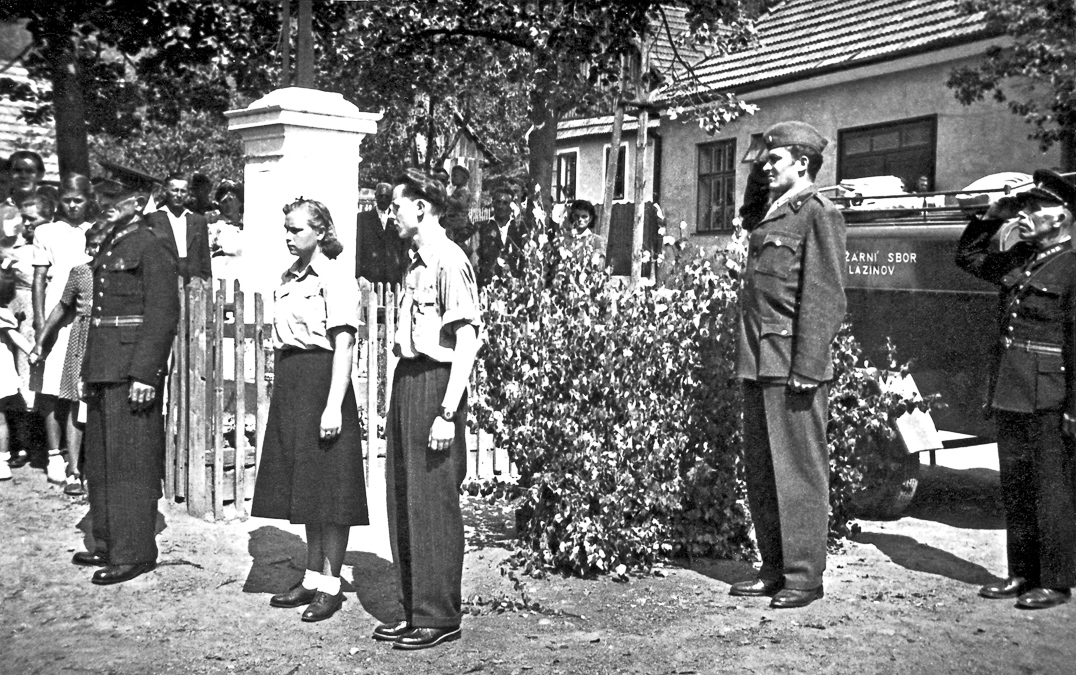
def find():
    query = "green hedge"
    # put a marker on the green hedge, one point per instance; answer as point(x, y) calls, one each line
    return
point(618, 409)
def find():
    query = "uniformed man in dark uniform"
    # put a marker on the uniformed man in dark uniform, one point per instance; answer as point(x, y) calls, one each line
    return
point(1032, 394)
point(792, 304)
point(133, 321)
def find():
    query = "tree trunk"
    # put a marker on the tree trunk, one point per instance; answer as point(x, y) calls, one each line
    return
point(69, 109)
point(542, 141)
point(642, 93)
point(612, 167)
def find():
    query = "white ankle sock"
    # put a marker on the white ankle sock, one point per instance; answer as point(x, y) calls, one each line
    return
point(311, 580)
point(329, 584)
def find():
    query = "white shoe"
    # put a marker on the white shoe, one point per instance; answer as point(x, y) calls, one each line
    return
point(5, 470)
point(57, 469)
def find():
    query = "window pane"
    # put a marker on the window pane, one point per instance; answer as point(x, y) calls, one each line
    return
point(857, 145)
point(918, 134)
point(886, 140)
point(706, 159)
point(704, 205)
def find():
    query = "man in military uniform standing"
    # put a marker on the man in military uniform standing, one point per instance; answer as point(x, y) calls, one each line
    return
point(133, 321)
point(791, 304)
point(1032, 392)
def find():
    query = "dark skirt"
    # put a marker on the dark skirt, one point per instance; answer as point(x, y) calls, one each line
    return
point(301, 478)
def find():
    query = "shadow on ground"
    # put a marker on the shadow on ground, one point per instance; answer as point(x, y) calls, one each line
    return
point(918, 557)
point(279, 560)
point(964, 498)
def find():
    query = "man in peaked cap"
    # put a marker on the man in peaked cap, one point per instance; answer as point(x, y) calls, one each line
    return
point(792, 304)
point(1032, 392)
point(133, 320)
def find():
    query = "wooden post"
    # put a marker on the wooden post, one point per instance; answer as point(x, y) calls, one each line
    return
point(217, 404)
point(196, 488)
point(261, 386)
point(304, 52)
point(285, 43)
point(240, 344)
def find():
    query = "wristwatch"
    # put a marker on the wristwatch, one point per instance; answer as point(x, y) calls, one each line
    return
point(447, 415)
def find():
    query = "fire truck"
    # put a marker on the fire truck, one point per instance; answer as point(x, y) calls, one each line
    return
point(903, 284)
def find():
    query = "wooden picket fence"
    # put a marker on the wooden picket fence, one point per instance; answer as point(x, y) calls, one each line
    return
point(221, 372)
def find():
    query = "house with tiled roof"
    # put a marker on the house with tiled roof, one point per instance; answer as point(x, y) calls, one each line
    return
point(869, 74)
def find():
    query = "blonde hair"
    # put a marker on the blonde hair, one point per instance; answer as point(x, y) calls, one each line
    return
point(321, 221)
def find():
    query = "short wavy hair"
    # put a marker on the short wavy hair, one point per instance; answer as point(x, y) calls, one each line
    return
point(419, 185)
point(321, 221)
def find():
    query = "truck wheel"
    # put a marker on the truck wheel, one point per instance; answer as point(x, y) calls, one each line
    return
point(888, 488)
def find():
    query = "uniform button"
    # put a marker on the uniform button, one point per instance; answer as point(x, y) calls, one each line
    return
point(777, 241)
point(109, 253)
point(100, 294)
point(1009, 329)
point(784, 331)
point(1014, 315)
point(1027, 274)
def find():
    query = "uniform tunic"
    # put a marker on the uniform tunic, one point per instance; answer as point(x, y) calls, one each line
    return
point(133, 321)
point(1031, 385)
point(302, 478)
point(791, 306)
point(422, 485)
point(58, 247)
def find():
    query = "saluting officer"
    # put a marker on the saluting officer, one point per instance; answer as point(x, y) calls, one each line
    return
point(133, 321)
point(1032, 391)
point(791, 305)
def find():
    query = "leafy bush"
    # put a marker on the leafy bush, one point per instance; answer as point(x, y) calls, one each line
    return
point(618, 408)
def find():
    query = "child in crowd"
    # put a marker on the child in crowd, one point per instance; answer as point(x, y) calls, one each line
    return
point(73, 307)
point(10, 340)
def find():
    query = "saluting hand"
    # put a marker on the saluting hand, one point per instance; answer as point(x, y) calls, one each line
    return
point(141, 396)
point(331, 421)
point(441, 434)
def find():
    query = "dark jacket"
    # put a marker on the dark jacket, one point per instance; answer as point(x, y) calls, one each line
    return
point(491, 250)
point(792, 297)
point(1035, 357)
point(196, 260)
point(380, 253)
point(133, 277)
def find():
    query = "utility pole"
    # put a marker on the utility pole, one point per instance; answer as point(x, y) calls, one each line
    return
point(304, 56)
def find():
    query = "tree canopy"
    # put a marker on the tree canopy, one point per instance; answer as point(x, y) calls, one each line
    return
point(1041, 55)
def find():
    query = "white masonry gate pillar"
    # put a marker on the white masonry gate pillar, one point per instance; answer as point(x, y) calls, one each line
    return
point(297, 142)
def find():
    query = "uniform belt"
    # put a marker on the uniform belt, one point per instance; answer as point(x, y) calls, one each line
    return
point(117, 321)
point(1047, 348)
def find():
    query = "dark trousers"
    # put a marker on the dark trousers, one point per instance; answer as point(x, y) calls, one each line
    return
point(124, 464)
point(425, 522)
point(1038, 488)
point(787, 468)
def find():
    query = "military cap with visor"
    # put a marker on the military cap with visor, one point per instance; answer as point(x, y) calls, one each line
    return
point(1050, 188)
point(794, 133)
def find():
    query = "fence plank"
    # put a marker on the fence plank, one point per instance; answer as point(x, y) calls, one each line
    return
point(261, 386)
point(196, 488)
point(240, 344)
point(182, 360)
point(372, 374)
point(217, 416)
point(390, 337)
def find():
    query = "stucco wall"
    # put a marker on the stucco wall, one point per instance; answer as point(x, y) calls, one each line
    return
point(972, 141)
point(590, 165)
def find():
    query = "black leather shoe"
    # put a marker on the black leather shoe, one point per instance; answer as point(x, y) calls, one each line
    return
point(1006, 588)
point(323, 606)
point(1044, 598)
point(90, 558)
point(790, 598)
point(756, 588)
point(424, 638)
point(388, 632)
point(117, 574)
point(297, 596)
point(19, 460)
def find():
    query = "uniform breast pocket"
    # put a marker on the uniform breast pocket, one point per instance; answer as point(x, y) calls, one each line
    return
point(777, 254)
point(426, 300)
point(1050, 384)
point(122, 277)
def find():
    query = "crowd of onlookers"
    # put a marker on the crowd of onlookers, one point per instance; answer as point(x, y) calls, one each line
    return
point(48, 235)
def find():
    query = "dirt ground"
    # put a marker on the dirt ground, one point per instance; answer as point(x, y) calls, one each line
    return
point(901, 598)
